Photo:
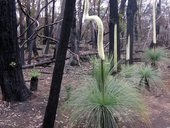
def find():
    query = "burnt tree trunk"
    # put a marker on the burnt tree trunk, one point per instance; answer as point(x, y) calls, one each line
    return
point(22, 38)
point(11, 76)
point(114, 19)
point(51, 108)
point(131, 11)
point(122, 21)
point(50, 29)
point(59, 26)
point(122, 7)
point(46, 29)
point(74, 43)
point(31, 44)
point(80, 16)
point(158, 16)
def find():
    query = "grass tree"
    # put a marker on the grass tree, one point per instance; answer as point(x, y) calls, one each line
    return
point(115, 47)
point(142, 76)
point(114, 36)
point(156, 56)
point(105, 98)
point(128, 50)
point(131, 11)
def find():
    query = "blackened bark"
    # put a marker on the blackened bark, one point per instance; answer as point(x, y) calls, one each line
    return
point(122, 20)
point(11, 76)
point(74, 42)
point(59, 26)
point(114, 19)
point(50, 29)
point(80, 16)
point(122, 7)
point(93, 35)
point(29, 32)
point(46, 29)
point(51, 108)
point(131, 11)
point(158, 16)
point(22, 38)
point(52, 20)
point(31, 44)
point(34, 84)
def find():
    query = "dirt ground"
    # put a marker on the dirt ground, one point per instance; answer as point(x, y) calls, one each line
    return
point(30, 114)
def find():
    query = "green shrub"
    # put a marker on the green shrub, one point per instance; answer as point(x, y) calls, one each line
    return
point(34, 73)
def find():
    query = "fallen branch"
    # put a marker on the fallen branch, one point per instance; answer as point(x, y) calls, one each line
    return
point(43, 63)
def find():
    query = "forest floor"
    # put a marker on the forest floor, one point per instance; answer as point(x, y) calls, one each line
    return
point(30, 114)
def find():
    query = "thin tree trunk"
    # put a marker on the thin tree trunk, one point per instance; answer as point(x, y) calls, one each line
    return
point(51, 28)
point(53, 100)
point(46, 29)
point(121, 20)
point(59, 26)
point(74, 43)
point(122, 7)
point(158, 15)
point(29, 32)
point(11, 76)
point(80, 15)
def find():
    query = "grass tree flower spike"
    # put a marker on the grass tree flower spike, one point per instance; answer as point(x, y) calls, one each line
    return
point(154, 21)
point(128, 49)
point(115, 46)
point(99, 26)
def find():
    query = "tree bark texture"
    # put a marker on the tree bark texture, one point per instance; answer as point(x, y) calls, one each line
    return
point(11, 76)
point(53, 100)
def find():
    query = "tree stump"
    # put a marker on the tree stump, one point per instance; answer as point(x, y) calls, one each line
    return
point(34, 84)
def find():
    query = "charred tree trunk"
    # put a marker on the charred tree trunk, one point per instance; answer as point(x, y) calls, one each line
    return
point(31, 44)
point(22, 38)
point(11, 76)
point(50, 113)
point(114, 19)
point(122, 20)
point(46, 29)
point(131, 11)
point(29, 32)
point(93, 36)
point(52, 20)
point(74, 43)
point(158, 17)
point(122, 7)
point(59, 26)
point(80, 15)
point(50, 29)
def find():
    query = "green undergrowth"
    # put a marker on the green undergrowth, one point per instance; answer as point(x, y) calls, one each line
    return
point(105, 99)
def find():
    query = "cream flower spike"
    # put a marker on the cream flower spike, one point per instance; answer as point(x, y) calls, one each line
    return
point(100, 28)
